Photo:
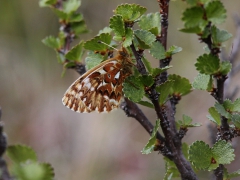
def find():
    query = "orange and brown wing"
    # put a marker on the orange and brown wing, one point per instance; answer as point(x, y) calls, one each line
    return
point(100, 89)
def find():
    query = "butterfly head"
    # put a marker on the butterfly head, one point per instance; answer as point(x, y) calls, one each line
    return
point(123, 53)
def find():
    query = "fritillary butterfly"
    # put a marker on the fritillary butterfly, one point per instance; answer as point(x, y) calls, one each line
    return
point(100, 88)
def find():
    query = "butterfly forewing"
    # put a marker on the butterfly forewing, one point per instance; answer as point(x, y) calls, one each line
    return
point(99, 89)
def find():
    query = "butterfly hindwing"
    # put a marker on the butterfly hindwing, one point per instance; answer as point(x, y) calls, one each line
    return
point(100, 88)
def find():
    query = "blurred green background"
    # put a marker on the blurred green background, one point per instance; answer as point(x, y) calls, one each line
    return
point(87, 146)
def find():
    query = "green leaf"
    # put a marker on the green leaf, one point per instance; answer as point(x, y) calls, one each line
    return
point(156, 71)
point(106, 30)
point(225, 67)
point(208, 64)
point(219, 36)
point(163, 89)
point(60, 57)
point(200, 155)
point(75, 54)
point(79, 27)
point(60, 14)
point(236, 106)
point(21, 153)
point(94, 44)
point(221, 110)
point(195, 30)
point(145, 36)
point(228, 105)
point(236, 120)
point(34, 171)
point(214, 116)
point(147, 64)
point(128, 38)
point(76, 17)
point(223, 152)
point(71, 6)
point(173, 50)
point(171, 170)
point(44, 3)
point(52, 42)
point(181, 85)
point(130, 12)
point(133, 89)
point(215, 11)
point(93, 60)
point(152, 141)
point(157, 50)
point(146, 80)
point(154, 31)
point(186, 122)
point(117, 25)
point(193, 17)
point(146, 103)
point(150, 21)
point(234, 174)
point(203, 82)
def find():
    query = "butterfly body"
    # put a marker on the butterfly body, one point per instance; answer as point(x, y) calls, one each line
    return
point(100, 88)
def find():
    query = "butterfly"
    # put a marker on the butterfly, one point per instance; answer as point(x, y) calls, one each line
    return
point(101, 88)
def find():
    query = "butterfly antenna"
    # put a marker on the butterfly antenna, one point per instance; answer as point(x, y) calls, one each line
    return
point(101, 42)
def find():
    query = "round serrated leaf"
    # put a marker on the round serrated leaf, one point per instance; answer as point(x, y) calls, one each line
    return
point(200, 155)
point(130, 12)
point(208, 64)
point(150, 21)
point(223, 152)
point(117, 25)
point(94, 44)
point(180, 86)
point(133, 89)
point(157, 50)
point(21, 153)
point(203, 82)
point(145, 36)
point(34, 171)
point(219, 36)
point(215, 11)
point(193, 17)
